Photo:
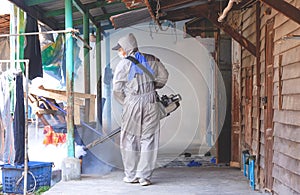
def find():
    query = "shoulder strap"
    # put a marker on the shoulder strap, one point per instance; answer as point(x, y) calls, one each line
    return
point(134, 60)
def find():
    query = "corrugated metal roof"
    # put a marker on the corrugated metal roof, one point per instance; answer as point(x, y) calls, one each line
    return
point(4, 24)
point(51, 12)
point(131, 18)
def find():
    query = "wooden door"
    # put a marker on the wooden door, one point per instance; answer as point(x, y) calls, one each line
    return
point(236, 106)
point(268, 113)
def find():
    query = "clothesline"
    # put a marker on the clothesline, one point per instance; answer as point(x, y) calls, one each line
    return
point(38, 33)
point(74, 32)
point(9, 61)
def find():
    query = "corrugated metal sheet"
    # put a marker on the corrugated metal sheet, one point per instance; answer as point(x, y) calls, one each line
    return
point(4, 24)
point(128, 19)
point(51, 13)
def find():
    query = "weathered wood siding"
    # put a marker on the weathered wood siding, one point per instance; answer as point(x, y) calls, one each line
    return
point(250, 109)
point(248, 64)
point(286, 99)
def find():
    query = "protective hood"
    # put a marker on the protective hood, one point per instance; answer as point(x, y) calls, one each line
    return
point(128, 43)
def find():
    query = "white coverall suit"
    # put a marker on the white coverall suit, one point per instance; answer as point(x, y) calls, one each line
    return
point(140, 118)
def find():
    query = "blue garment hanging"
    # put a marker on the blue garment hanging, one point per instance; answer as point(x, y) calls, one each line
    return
point(134, 69)
point(19, 122)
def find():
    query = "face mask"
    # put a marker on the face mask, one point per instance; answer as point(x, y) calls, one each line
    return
point(121, 55)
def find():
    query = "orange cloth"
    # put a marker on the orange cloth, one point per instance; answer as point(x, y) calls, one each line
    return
point(53, 138)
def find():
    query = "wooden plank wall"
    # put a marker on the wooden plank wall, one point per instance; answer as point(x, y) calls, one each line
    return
point(286, 158)
point(250, 133)
point(248, 62)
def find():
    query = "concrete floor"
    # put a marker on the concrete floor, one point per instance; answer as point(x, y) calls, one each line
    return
point(177, 180)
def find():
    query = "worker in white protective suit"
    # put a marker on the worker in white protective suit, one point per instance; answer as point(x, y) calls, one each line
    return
point(134, 88)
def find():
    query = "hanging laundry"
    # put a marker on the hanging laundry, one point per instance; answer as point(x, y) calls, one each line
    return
point(6, 120)
point(19, 122)
point(33, 49)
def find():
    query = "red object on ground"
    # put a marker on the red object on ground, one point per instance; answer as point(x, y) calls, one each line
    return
point(51, 137)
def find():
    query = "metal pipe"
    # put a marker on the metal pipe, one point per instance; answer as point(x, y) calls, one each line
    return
point(291, 37)
point(69, 79)
point(26, 129)
point(12, 40)
point(39, 33)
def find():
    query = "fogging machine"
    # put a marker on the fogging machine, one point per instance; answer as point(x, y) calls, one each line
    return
point(167, 105)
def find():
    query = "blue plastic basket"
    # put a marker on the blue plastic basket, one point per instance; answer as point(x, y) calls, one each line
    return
point(39, 174)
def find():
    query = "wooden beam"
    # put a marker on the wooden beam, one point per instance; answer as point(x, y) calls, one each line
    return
point(285, 8)
point(54, 95)
point(151, 11)
point(233, 33)
point(204, 11)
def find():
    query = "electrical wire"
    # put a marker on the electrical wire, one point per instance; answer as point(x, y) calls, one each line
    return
point(150, 31)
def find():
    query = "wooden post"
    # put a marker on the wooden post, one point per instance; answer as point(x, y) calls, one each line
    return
point(99, 73)
point(258, 87)
point(216, 120)
point(87, 88)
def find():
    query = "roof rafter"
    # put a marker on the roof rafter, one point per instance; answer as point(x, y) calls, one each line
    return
point(203, 11)
point(233, 33)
